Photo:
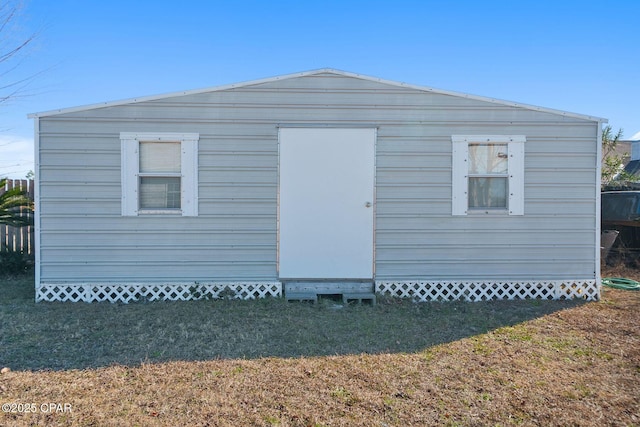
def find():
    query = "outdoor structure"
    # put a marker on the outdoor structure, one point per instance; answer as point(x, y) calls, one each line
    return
point(317, 182)
point(632, 166)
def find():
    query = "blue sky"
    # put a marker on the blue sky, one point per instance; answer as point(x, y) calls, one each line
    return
point(578, 56)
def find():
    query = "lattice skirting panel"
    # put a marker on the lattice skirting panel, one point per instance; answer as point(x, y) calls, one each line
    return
point(125, 293)
point(486, 290)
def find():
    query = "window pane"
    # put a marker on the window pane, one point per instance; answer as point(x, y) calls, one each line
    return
point(159, 157)
point(487, 193)
point(487, 158)
point(159, 193)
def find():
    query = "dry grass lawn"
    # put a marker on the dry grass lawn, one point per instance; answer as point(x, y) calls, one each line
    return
point(269, 363)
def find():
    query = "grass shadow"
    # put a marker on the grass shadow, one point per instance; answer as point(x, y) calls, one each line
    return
point(62, 336)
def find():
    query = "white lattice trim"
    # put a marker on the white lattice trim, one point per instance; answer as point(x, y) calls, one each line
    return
point(485, 290)
point(129, 292)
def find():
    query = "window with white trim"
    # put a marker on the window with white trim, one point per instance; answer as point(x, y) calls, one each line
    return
point(159, 173)
point(488, 174)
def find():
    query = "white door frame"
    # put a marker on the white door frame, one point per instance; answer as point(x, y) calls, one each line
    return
point(306, 153)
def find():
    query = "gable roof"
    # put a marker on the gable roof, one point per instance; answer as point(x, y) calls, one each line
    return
point(311, 73)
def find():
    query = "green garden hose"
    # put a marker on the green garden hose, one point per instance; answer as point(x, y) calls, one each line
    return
point(621, 283)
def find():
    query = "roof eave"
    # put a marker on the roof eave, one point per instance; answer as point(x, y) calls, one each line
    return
point(308, 73)
point(478, 98)
point(170, 94)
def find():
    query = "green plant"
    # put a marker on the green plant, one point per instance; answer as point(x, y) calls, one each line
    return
point(613, 162)
point(200, 292)
point(13, 204)
point(227, 293)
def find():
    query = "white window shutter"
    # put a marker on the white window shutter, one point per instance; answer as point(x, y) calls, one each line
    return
point(459, 181)
point(189, 168)
point(516, 177)
point(129, 176)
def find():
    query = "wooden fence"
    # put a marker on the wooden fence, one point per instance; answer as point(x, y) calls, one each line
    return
point(18, 239)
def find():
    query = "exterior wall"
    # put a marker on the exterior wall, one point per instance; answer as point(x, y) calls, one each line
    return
point(84, 238)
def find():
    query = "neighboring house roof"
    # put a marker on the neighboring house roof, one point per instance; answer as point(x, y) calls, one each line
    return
point(633, 167)
point(311, 73)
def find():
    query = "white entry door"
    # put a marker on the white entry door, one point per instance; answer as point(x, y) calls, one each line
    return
point(326, 203)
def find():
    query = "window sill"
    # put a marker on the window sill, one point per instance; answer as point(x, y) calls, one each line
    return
point(169, 212)
point(488, 212)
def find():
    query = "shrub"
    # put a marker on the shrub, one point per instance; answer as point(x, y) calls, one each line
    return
point(14, 262)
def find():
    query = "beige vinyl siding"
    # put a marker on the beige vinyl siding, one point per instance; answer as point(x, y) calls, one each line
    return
point(234, 237)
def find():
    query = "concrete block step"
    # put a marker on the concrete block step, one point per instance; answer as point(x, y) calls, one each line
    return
point(328, 287)
point(359, 297)
point(301, 296)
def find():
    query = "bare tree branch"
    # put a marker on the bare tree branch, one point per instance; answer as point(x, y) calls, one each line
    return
point(13, 47)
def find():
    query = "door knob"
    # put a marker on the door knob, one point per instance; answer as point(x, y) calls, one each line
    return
point(367, 205)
